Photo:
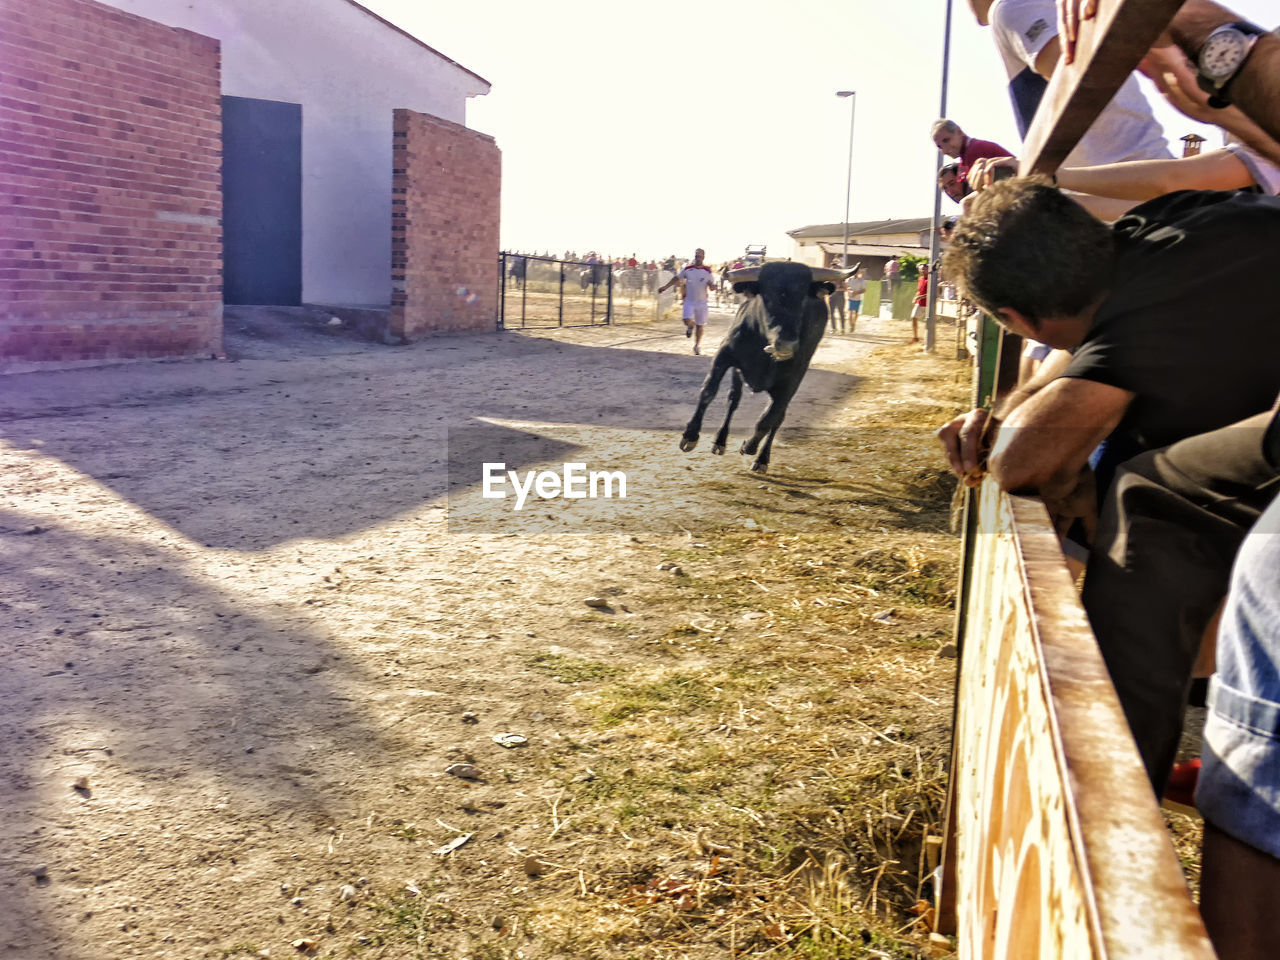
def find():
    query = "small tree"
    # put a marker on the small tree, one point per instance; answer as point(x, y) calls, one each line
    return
point(909, 267)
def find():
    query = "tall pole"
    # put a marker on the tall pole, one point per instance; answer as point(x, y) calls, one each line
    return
point(931, 321)
point(848, 177)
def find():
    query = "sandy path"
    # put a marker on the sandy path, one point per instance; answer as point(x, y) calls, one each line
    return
point(232, 602)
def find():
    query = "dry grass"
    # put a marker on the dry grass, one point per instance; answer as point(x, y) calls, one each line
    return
point(753, 768)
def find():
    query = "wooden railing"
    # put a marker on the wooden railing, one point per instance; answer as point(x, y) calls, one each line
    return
point(1055, 847)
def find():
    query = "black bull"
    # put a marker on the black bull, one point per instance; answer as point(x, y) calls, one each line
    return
point(769, 347)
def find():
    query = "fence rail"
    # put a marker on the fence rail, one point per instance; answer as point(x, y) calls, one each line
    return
point(1055, 847)
point(545, 292)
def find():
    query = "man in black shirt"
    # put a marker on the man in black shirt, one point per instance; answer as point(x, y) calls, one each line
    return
point(1169, 324)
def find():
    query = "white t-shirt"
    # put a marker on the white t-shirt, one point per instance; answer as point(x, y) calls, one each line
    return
point(696, 281)
point(1265, 173)
point(1125, 130)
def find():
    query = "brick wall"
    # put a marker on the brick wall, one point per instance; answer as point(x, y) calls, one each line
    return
point(110, 190)
point(444, 227)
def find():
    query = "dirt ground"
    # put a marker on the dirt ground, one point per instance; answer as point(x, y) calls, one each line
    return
point(255, 609)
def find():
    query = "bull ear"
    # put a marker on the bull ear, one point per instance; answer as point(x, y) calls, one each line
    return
point(823, 287)
point(749, 287)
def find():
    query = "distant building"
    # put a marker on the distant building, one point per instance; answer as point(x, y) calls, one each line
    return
point(1191, 144)
point(166, 157)
point(308, 88)
point(872, 243)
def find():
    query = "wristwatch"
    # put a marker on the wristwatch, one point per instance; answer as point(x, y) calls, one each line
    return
point(1221, 57)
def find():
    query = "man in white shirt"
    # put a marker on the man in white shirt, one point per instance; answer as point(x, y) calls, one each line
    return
point(1026, 34)
point(698, 279)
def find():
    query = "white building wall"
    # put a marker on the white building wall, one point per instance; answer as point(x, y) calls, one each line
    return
point(807, 252)
point(349, 71)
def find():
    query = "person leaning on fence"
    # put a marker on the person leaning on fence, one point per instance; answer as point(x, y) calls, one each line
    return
point(1157, 355)
point(951, 183)
point(964, 149)
point(1239, 787)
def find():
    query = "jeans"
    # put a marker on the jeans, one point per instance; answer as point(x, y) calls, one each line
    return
point(1239, 787)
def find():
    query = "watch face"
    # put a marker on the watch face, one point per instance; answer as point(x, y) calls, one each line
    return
point(1222, 53)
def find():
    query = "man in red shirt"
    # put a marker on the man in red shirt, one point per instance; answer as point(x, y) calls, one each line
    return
point(955, 143)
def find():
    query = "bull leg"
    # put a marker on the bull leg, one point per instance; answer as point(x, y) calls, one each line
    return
point(761, 463)
point(735, 396)
point(710, 387)
point(766, 427)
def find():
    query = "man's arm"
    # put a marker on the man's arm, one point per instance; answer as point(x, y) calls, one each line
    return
point(1256, 88)
point(1145, 179)
point(1047, 58)
point(1171, 71)
point(1046, 441)
point(964, 437)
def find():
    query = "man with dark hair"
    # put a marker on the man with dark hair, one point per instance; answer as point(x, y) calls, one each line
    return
point(951, 183)
point(1166, 328)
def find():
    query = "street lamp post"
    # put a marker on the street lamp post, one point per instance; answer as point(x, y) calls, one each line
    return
point(931, 317)
point(848, 177)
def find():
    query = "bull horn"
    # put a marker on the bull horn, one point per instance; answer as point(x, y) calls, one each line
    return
point(830, 273)
point(743, 275)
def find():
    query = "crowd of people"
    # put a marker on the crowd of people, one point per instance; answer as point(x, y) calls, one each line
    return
point(1151, 428)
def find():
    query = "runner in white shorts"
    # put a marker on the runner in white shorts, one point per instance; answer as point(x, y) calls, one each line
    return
point(698, 280)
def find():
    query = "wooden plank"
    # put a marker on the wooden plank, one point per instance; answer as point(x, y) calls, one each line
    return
point(1060, 850)
point(1108, 50)
point(1140, 902)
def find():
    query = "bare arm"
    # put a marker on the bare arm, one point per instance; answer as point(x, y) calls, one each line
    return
point(963, 439)
point(1172, 73)
point(1053, 366)
point(1046, 441)
point(1144, 179)
point(1047, 58)
point(1256, 89)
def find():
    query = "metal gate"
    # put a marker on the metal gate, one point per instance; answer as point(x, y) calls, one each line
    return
point(545, 292)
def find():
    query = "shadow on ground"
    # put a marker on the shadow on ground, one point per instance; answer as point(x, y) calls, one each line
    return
point(327, 442)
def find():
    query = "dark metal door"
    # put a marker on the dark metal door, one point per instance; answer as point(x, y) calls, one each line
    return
point(262, 201)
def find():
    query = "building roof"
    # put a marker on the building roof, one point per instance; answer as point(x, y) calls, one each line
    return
point(401, 30)
point(868, 228)
point(836, 248)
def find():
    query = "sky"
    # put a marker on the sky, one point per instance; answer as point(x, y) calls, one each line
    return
point(654, 129)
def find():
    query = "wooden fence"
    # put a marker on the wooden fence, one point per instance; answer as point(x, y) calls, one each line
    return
point(1055, 846)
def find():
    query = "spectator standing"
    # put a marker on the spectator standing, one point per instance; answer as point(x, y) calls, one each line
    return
point(835, 305)
point(891, 272)
point(920, 303)
point(697, 279)
point(855, 287)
